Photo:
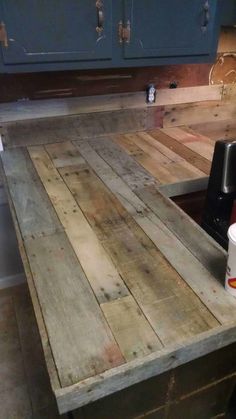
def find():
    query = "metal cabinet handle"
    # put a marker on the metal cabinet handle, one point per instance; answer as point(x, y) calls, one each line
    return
point(3, 35)
point(100, 17)
point(206, 9)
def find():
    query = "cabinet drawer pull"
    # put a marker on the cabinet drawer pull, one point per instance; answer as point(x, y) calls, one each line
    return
point(100, 17)
point(3, 35)
point(206, 21)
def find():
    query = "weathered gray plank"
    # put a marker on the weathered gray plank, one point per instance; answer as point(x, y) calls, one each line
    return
point(124, 165)
point(81, 341)
point(100, 103)
point(96, 263)
point(209, 253)
point(33, 209)
point(204, 284)
point(142, 369)
point(52, 130)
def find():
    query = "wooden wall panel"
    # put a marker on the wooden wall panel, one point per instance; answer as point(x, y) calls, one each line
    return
point(96, 82)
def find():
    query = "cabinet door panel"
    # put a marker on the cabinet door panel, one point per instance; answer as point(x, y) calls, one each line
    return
point(163, 28)
point(55, 30)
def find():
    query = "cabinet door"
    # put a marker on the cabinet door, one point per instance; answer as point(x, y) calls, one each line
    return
point(165, 28)
point(56, 30)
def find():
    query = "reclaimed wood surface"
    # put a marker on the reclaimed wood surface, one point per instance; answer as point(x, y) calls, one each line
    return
point(122, 281)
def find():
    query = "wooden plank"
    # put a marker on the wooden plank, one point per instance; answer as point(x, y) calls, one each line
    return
point(132, 331)
point(60, 129)
point(141, 369)
point(100, 271)
point(145, 271)
point(195, 113)
point(229, 93)
point(208, 252)
point(205, 285)
point(219, 130)
point(67, 157)
point(193, 140)
point(81, 341)
point(189, 155)
point(16, 111)
point(33, 208)
point(153, 167)
point(175, 164)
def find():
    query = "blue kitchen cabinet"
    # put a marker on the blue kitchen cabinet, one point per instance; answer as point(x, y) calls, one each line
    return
point(42, 35)
point(170, 28)
point(42, 31)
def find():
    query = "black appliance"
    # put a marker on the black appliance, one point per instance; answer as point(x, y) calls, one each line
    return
point(221, 192)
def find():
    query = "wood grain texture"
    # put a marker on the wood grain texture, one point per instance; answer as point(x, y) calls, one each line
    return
point(131, 329)
point(162, 162)
point(103, 103)
point(60, 129)
point(147, 274)
point(202, 145)
point(205, 285)
point(198, 113)
point(221, 130)
point(141, 369)
point(100, 271)
point(33, 208)
point(189, 155)
point(81, 341)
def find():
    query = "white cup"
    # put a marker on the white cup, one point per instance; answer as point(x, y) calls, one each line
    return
point(230, 279)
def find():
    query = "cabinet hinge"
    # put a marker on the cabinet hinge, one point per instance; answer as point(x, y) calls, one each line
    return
point(3, 35)
point(124, 32)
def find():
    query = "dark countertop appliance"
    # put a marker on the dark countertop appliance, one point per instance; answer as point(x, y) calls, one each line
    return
point(221, 192)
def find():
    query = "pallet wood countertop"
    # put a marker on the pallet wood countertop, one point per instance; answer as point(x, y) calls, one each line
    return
point(124, 284)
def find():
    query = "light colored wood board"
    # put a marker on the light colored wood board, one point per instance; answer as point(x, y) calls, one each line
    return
point(227, 40)
point(141, 369)
point(97, 265)
point(131, 329)
point(154, 168)
point(79, 105)
point(53, 130)
point(63, 154)
point(185, 187)
point(53, 375)
point(170, 154)
point(220, 130)
point(147, 274)
point(163, 161)
point(193, 140)
point(148, 148)
point(128, 199)
point(198, 113)
point(81, 341)
point(34, 211)
point(189, 155)
point(229, 92)
point(208, 288)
